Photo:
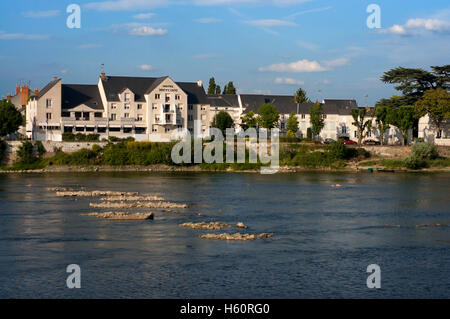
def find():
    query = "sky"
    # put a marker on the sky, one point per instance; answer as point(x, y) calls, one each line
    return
point(263, 46)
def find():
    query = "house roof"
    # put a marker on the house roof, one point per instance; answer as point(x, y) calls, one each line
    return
point(223, 100)
point(47, 88)
point(339, 106)
point(284, 104)
point(140, 86)
point(77, 94)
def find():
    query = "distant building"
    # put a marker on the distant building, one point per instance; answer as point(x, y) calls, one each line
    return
point(429, 132)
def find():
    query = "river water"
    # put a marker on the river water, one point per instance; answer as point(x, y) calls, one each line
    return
point(324, 237)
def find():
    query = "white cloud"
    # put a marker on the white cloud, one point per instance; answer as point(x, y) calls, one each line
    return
point(298, 66)
point(417, 26)
point(336, 62)
point(271, 23)
point(146, 31)
point(144, 16)
point(22, 36)
point(41, 14)
point(207, 20)
point(145, 67)
point(65, 71)
point(289, 81)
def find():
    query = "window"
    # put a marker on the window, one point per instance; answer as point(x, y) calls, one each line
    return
point(157, 96)
point(65, 114)
point(177, 97)
point(156, 119)
point(98, 114)
point(324, 116)
point(303, 116)
point(355, 134)
point(139, 117)
point(113, 117)
point(369, 134)
point(113, 106)
point(154, 128)
point(154, 106)
point(203, 128)
point(203, 108)
point(139, 106)
point(167, 98)
point(48, 103)
point(126, 115)
point(166, 130)
point(344, 130)
point(190, 107)
point(439, 134)
point(127, 97)
point(126, 106)
point(49, 116)
point(190, 118)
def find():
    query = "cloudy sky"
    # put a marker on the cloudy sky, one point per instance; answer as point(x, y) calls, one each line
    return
point(264, 46)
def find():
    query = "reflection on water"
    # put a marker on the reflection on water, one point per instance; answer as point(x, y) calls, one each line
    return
point(324, 237)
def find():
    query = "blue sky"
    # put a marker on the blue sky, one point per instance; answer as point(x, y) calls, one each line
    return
point(264, 46)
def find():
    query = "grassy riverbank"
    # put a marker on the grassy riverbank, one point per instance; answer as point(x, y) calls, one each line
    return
point(148, 156)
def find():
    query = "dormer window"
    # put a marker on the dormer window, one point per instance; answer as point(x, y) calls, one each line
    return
point(177, 97)
point(127, 97)
point(48, 103)
point(126, 106)
point(157, 96)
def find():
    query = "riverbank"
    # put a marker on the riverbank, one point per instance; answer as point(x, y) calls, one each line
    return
point(197, 169)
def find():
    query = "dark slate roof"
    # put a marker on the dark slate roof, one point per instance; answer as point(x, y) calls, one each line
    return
point(77, 94)
point(140, 86)
point(223, 100)
point(46, 88)
point(341, 107)
point(284, 104)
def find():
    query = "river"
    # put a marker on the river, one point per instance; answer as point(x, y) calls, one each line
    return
point(324, 236)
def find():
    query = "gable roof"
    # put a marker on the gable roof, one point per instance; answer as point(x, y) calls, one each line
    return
point(284, 104)
point(140, 86)
point(77, 94)
point(223, 100)
point(339, 106)
point(46, 89)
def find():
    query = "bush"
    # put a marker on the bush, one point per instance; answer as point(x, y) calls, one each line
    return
point(338, 150)
point(25, 153)
point(40, 149)
point(68, 137)
point(424, 151)
point(2, 150)
point(80, 137)
point(414, 162)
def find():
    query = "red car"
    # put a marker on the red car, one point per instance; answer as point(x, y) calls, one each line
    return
point(349, 142)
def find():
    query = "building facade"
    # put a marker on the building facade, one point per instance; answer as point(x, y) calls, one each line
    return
point(147, 109)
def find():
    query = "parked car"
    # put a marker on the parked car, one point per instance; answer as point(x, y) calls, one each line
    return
point(371, 142)
point(328, 141)
point(349, 142)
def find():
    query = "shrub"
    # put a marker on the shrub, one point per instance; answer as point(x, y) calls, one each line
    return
point(414, 162)
point(40, 148)
point(68, 137)
point(2, 150)
point(424, 151)
point(25, 153)
point(338, 150)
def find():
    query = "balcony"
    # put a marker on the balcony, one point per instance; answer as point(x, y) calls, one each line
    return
point(127, 121)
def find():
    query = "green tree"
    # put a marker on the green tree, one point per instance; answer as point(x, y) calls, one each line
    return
point(229, 88)
point(382, 114)
point(363, 126)
point(10, 118)
point(249, 120)
point(217, 89)
point(435, 103)
point(316, 119)
point(300, 96)
point(292, 122)
point(403, 119)
point(212, 86)
point(222, 121)
point(25, 153)
point(414, 82)
point(268, 116)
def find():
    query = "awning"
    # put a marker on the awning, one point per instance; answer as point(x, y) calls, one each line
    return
point(114, 126)
point(128, 126)
point(68, 125)
point(80, 126)
point(101, 125)
point(92, 126)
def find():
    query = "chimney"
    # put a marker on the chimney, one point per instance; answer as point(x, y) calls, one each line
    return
point(24, 95)
point(200, 83)
point(36, 91)
point(17, 89)
point(55, 78)
point(103, 75)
